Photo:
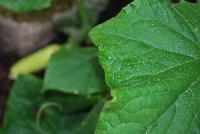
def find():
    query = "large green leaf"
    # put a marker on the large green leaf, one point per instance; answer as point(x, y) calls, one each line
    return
point(26, 99)
point(24, 5)
point(75, 71)
point(23, 100)
point(151, 56)
point(1, 131)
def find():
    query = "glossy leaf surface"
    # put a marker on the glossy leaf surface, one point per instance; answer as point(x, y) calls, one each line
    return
point(151, 55)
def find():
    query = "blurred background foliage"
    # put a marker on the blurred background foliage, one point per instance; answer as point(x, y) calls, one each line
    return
point(23, 33)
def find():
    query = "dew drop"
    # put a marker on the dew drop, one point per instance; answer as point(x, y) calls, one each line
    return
point(75, 91)
point(196, 30)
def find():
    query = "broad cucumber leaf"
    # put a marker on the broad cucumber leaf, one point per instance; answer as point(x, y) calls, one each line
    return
point(24, 103)
point(23, 100)
point(150, 53)
point(75, 72)
point(24, 5)
point(1, 131)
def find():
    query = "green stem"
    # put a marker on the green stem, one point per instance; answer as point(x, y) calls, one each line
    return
point(82, 13)
point(75, 40)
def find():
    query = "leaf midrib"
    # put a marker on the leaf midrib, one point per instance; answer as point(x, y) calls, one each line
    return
point(147, 44)
point(161, 72)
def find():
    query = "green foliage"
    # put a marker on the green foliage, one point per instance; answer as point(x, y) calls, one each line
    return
point(75, 71)
point(150, 53)
point(71, 96)
point(24, 5)
point(151, 56)
point(25, 100)
point(88, 126)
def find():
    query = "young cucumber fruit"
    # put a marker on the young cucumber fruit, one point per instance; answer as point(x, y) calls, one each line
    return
point(33, 62)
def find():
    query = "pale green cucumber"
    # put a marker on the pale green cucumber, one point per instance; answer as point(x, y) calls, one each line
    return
point(33, 62)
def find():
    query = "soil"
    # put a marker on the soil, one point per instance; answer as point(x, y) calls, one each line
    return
point(5, 82)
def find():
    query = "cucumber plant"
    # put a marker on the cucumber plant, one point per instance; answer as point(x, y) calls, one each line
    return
point(150, 54)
